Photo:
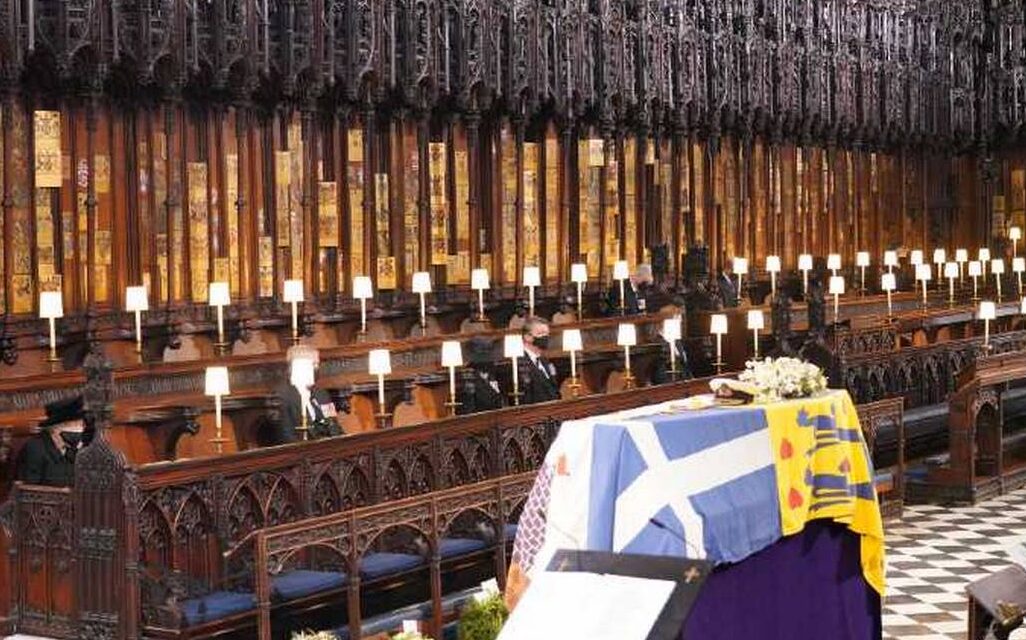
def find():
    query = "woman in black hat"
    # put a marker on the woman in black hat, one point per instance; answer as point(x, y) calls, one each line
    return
point(49, 457)
point(479, 387)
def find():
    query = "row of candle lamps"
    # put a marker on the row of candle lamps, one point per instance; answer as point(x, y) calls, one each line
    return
point(379, 365)
point(51, 305)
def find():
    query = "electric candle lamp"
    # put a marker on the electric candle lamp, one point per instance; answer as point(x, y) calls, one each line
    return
point(890, 260)
point(940, 256)
point(984, 257)
point(917, 258)
point(718, 327)
point(452, 357)
point(579, 276)
point(379, 363)
point(961, 257)
point(756, 322)
point(136, 301)
point(216, 385)
point(1022, 306)
point(773, 268)
point(421, 285)
point(293, 294)
point(740, 268)
point(951, 272)
point(572, 343)
point(219, 296)
point(363, 290)
point(924, 274)
point(479, 282)
point(620, 273)
point(975, 271)
point(987, 312)
point(888, 282)
point(532, 279)
point(1019, 267)
point(834, 263)
point(1015, 235)
point(862, 261)
point(805, 266)
point(837, 290)
point(627, 337)
point(301, 375)
point(997, 267)
point(51, 307)
point(672, 329)
point(513, 348)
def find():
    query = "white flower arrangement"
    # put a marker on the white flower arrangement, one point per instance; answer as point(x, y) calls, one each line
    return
point(783, 378)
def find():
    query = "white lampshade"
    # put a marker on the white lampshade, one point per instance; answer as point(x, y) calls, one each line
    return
point(917, 257)
point(363, 288)
point(756, 320)
point(834, 261)
point(627, 335)
point(513, 346)
point(379, 362)
point(1015, 233)
point(951, 270)
point(1019, 265)
point(572, 340)
point(890, 258)
point(988, 310)
point(532, 277)
point(983, 255)
point(479, 280)
point(136, 299)
point(924, 272)
point(975, 268)
point(452, 353)
point(837, 285)
point(888, 282)
point(740, 265)
point(301, 373)
point(1022, 306)
point(997, 266)
point(672, 328)
point(961, 255)
point(940, 256)
point(773, 264)
point(216, 381)
point(579, 272)
point(293, 291)
point(218, 294)
point(51, 304)
point(621, 271)
point(862, 259)
point(421, 282)
point(805, 262)
point(718, 324)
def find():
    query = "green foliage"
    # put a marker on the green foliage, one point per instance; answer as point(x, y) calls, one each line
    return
point(483, 620)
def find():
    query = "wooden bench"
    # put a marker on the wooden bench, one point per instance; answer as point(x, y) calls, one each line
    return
point(890, 481)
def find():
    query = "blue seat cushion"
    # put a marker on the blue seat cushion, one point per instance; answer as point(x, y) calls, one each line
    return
point(302, 582)
point(375, 565)
point(511, 531)
point(449, 547)
point(217, 605)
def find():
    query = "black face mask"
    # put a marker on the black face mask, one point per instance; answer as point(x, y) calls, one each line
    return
point(71, 438)
point(542, 342)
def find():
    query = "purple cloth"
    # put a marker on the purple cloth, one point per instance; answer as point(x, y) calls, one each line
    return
point(808, 586)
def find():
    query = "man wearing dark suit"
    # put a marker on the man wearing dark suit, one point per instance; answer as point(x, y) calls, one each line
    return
point(661, 374)
point(49, 457)
point(635, 293)
point(321, 419)
point(537, 375)
point(479, 390)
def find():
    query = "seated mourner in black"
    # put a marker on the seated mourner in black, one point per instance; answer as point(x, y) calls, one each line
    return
point(537, 375)
point(49, 457)
point(662, 372)
point(321, 417)
point(636, 291)
point(479, 388)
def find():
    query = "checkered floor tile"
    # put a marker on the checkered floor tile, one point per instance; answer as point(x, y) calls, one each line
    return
point(934, 552)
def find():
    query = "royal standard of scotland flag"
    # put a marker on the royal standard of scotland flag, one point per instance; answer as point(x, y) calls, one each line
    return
point(719, 484)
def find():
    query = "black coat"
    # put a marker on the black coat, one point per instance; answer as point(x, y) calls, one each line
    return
point(661, 374)
point(631, 298)
point(477, 393)
point(320, 426)
point(41, 462)
point(535, 386)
